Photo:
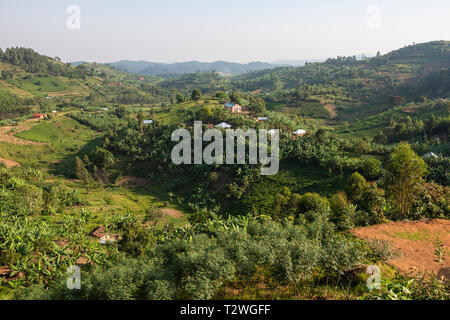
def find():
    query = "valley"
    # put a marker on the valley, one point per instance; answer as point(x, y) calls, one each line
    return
point(87, 179)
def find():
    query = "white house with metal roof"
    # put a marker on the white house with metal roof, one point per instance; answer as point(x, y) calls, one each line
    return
point(224, 125)
point(299, 132)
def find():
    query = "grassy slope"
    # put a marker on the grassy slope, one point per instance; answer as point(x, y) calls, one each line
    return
point(372, 125)
point(64, 138)
point(357, 89)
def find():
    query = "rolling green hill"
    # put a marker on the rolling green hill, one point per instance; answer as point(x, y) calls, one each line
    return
point(347, 88)
point(30, 82)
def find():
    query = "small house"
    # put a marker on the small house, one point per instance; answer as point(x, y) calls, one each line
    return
point(224, 125)
point(148, 122)
point(103, 237)
point(430, 155)
point(262, 119)
point(299, 133)
point(39, 116)
point(234, 108)
point(437, 139)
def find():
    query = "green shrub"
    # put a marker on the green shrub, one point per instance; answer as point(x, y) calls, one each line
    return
point(371, 168)
point(342, 212)
point(355, 187)
point(197, 265)
point(136, 239)
point(313, 202)
point(418, 287)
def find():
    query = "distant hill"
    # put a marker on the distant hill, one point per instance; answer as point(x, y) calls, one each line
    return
point(77, 63)
point(405, 66)
point(354, 87)
point(177, 69)
point(339, 88)
point(295, 63)
point(30, 81)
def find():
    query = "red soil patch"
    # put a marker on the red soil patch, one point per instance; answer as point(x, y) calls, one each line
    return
point(172, 213)
point(129, 181)
point(10, 163)
point(415, 242)
point(82, 261)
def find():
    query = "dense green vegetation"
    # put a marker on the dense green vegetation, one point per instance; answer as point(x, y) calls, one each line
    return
point(209, 231)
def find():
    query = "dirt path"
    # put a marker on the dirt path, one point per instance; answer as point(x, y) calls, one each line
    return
point(331, 110)
point(7, 133)
point(415, 241)
point(10, 163)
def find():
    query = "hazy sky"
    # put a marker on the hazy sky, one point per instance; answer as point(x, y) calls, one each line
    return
point(209, 30)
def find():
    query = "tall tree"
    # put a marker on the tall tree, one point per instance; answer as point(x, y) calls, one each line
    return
point(355, 187)
point(222, 96)
point(404, 179)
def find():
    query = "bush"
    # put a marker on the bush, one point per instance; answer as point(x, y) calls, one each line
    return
point(125, 279)
point(342, 212)
point(371, 168)
point(355, 187)
point(419, 287)
point(196, 265)
point(313, 202)
point(439, 170)
point(381, 250)
point(136, 239)
point(433, 202)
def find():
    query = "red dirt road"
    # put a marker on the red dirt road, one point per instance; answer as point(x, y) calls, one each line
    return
point(415, 241)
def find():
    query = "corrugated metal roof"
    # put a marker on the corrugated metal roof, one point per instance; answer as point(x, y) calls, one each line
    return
point(223, 125)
